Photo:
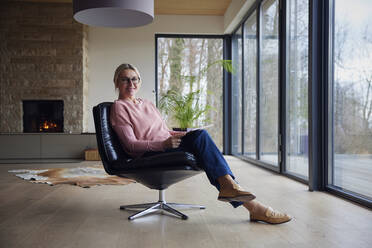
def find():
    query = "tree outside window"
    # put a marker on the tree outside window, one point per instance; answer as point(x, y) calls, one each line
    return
point(187, 65)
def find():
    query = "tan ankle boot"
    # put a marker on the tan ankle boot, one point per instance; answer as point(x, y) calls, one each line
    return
point(235, 195)
point(271, 217)
point(231, 191)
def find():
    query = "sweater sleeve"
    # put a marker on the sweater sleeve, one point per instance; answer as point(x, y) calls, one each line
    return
point(132, 144)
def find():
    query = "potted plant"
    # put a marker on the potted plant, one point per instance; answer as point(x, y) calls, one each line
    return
point(186, 109)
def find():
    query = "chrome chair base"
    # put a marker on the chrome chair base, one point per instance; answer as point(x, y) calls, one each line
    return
point(161, 205)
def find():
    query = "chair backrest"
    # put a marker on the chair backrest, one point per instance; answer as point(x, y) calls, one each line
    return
point(109, 147)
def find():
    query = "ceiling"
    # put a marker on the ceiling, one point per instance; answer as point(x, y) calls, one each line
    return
point(175, 7)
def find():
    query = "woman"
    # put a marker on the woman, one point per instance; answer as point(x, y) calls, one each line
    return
point(143, 132)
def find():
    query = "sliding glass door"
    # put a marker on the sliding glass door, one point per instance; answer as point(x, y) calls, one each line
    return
point(268, 91)
point(297, 51)
point(255, 101)
point(256, 108)
point(350, 98)
point(328, 143)
point(236, 87)
point(250, 86)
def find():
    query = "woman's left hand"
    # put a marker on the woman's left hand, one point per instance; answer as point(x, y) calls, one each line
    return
point(173, 141)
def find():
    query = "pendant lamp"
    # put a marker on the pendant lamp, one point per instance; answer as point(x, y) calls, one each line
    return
point(114, 13)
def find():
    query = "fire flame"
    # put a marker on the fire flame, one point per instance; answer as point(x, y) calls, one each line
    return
point(47, 125)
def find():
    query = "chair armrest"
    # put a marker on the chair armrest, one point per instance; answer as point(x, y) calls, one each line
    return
point(163, 160)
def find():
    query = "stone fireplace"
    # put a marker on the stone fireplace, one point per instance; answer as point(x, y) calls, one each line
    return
point(41, 54)
point(42, 82)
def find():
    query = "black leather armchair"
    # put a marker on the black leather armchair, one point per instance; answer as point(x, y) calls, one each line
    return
point(156, 172)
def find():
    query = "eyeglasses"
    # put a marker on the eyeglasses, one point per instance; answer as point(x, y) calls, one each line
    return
point(134, 80)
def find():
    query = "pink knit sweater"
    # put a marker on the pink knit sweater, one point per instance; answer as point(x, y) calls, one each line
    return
point(139, 126)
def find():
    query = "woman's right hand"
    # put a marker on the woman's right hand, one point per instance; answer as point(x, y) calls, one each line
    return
point(173, 142)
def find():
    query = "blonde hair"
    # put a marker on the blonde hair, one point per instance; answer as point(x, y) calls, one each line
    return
point(123, 67)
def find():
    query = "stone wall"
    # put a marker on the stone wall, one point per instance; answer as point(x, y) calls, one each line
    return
point(41, 57)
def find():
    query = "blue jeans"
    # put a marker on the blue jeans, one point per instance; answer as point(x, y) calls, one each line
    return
point(200, 144)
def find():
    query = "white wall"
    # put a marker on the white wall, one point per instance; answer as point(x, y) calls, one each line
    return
point(108, 47)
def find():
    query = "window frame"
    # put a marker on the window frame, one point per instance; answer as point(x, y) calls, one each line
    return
point(226, 81)
point(256, 8)
point(327, 13)
point(320, 69)
point(283, 94)
point(320, 66)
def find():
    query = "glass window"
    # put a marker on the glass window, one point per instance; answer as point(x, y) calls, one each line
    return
point(250, 81)
point(351, 99)
point(237, 92)
point(188, 65)
point(269, 64)
point(297, 160)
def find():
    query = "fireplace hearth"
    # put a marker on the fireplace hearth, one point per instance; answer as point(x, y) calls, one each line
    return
point(43, 116)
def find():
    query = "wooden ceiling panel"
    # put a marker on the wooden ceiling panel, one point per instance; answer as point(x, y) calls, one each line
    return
point(175, 7)
point(191, 7)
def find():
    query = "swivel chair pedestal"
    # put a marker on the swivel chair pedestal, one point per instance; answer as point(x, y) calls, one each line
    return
point(160, 205)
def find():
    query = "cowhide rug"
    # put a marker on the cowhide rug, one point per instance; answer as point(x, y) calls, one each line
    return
point(81, 176)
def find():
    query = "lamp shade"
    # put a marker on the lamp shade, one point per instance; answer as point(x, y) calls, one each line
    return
point(114, 13)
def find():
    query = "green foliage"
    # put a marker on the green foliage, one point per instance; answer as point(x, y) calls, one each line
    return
point(185, 109)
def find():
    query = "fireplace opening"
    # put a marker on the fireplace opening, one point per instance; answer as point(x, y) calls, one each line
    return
point(43, 116)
